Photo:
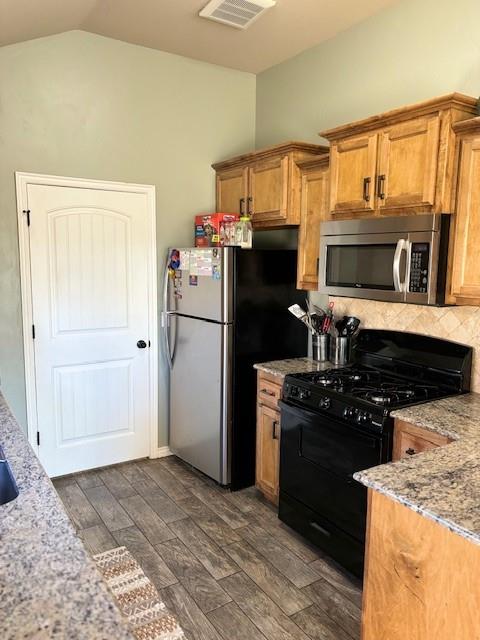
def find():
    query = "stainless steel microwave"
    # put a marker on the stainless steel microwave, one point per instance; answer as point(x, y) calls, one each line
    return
point(398, 259)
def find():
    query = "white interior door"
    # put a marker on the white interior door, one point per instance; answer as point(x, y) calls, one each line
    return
point(89, 254)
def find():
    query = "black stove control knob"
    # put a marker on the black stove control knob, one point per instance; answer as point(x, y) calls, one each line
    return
point(363, 417)
point(293, 391)
point(324, 403)
point(349, 413)
point(304, 394)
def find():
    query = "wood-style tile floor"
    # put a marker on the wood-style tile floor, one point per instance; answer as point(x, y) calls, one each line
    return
point(222, 561)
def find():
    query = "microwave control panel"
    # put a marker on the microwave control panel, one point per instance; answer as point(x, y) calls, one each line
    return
point(419, 261)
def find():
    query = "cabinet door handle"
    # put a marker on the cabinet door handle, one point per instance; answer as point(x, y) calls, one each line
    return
point(249, 208)
point(410, 451)
point(267, 392)
point(381, 186)
point(274, 430)
point(366, 189)
point(242, 206)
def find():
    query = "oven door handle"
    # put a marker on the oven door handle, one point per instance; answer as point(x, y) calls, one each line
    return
point(301, 412)
point(402, 245)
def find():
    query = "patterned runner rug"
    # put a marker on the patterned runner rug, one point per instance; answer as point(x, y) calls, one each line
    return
point(137, 597)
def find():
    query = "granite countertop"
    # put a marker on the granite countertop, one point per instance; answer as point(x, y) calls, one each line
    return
point(50, 587)
point(281, 368)
point(442, 484)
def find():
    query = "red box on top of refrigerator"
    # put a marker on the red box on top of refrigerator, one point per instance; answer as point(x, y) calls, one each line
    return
point(215, 229)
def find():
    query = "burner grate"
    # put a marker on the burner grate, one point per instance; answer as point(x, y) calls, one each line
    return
point(371, 385)
point(395, 393)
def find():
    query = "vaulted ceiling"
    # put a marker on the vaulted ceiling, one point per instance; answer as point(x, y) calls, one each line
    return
point(174, 26)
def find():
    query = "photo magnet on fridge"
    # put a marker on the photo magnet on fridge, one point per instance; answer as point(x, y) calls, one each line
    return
point(173, 262)
point(193, 281)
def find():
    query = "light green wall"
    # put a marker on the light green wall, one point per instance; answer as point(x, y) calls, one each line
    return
point(81, 105)
point(413, 50)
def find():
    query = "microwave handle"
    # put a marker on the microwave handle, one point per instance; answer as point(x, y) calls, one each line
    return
point(402, 245)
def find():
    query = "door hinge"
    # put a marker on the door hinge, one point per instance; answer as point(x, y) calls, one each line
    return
point(33, 331)
point(38, 438)
point(27, 213)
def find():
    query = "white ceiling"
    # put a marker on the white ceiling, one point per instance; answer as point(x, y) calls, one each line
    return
point(174, 26)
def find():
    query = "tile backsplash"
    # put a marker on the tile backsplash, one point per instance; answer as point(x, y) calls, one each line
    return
point(460, 324)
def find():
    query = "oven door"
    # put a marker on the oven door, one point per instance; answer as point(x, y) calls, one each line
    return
point(372, 266)
point(318, 457)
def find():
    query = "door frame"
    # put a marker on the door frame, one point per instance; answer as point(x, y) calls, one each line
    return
point(22, 180)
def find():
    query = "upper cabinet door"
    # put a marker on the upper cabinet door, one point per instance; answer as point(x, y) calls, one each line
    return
point(232, 190)
point(353, 169)
point(268, 189)
point(313, 210)
point(466, 257)
point(408, 161)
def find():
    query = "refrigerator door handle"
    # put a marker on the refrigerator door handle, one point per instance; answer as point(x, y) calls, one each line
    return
point(166, 276)
point(166, 339)
point(165, 314)
point(173, 322)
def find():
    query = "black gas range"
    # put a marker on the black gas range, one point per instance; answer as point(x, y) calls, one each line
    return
point(336, 422)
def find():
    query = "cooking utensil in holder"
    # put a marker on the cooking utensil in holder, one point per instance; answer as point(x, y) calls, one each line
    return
point(340, 350)
point(320, 347)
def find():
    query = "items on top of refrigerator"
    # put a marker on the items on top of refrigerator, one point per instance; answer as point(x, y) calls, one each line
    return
point(244, 233)
point(215, 229)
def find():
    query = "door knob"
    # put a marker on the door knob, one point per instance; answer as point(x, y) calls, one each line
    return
point(141, 344)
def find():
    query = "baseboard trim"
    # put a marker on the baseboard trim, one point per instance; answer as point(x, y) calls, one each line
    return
point(162, 452)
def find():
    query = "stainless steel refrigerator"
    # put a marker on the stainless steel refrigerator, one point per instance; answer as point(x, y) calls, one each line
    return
point(224, 310)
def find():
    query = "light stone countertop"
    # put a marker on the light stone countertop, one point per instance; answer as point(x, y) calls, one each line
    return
point(281, 368)
point(50, 587)
point(442, 484)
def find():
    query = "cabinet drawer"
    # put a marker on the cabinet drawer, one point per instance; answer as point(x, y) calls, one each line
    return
point(269, 393)
point(409, 445)
point(410, 440)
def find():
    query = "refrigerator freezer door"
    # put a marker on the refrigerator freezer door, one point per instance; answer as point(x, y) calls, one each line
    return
point(202, 286)
point(200, 388)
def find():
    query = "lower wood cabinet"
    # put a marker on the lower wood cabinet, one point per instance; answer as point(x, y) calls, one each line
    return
point(268, 451)
point(268, 436)
point(421, 580)
point(409, 440)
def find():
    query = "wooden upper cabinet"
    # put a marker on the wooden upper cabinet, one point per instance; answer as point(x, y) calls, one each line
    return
point(313, 210)
point(270, 180)
point(399, 162)
point(232, 190)
point(268, 189)
point(465, 275)
point(352, 176)
point(407, 166)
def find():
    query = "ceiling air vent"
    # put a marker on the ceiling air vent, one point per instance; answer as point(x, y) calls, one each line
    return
point(236, 13)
